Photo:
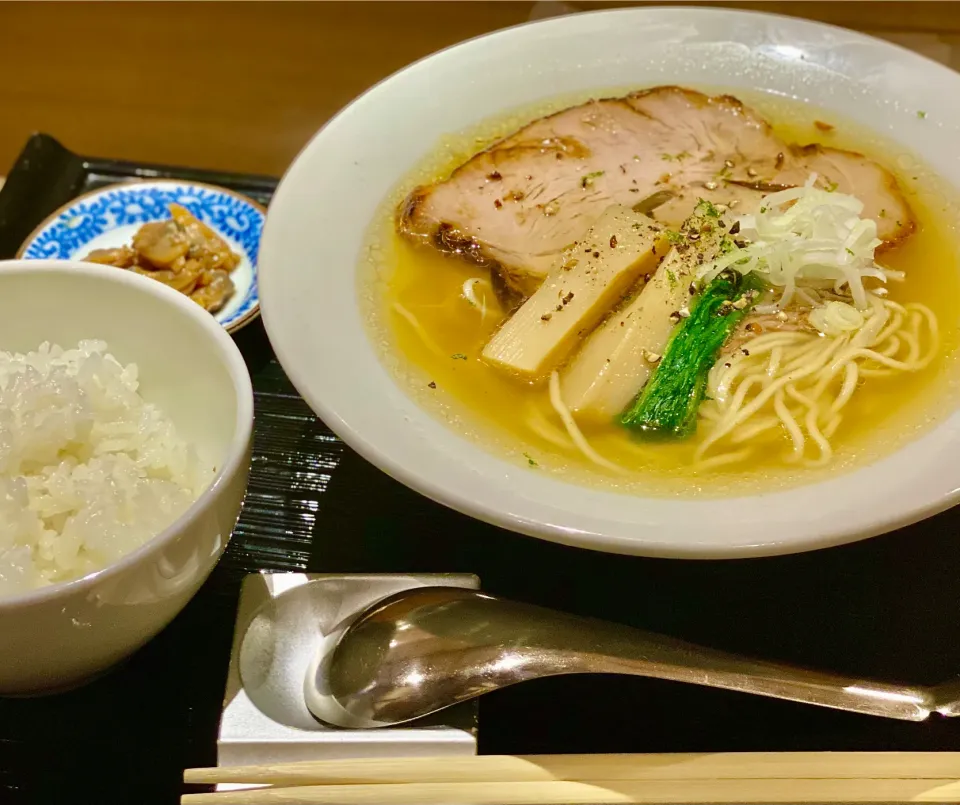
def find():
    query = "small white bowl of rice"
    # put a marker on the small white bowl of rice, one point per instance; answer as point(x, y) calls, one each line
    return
point(126, 416)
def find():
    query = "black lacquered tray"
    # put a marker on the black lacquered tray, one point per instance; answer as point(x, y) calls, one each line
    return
point(887, 608)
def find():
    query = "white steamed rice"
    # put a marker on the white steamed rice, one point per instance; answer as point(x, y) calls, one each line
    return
point(88, 470)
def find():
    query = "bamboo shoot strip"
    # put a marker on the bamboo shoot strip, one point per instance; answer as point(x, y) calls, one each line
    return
point(593, 275)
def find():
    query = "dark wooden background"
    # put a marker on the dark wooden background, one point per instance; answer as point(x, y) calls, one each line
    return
point(243, 86)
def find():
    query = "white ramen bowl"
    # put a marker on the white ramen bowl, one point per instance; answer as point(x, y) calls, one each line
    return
point(61, 635)
point(317, 220)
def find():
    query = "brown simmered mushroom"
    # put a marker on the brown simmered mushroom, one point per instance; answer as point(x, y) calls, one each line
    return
point(183, 280)
point(160, 243)
point(205, 244)
point(183, 253)
point(216, 289)
point(124, 257)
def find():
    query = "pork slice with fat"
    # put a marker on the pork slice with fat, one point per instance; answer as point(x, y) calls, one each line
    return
point(518, 204)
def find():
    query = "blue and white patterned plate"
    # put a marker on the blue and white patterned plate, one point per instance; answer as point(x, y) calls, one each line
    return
point(108, 218)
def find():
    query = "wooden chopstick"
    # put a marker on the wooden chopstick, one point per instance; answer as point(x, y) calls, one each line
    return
point(640, 792)
point(545, 768)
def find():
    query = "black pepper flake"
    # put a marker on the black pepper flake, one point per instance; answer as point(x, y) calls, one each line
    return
point(567, 299)
point(646, 277)
point(726, 366)
point(495, 176)
point(735, 228)
point(623, 169)
point(613, 241)
point(779, 163)
point(692, 289)
point(675, 316)
point(694, 236)
point(546, 317)
point(431, 385)
point(596, 254)
point(497, 203)
point(746, 352)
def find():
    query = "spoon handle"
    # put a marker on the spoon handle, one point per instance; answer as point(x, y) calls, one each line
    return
point(644, 654)
point(584, 645)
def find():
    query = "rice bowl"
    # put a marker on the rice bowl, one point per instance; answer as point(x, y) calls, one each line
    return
point(147, 568)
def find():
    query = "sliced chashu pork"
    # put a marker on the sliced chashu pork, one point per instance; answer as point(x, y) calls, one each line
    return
point(517, 205)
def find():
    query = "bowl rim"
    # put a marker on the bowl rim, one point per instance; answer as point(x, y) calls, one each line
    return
point(237, 451)
point(248, 317)
point(391, 461)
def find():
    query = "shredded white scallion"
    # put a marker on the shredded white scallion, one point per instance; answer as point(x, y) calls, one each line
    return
point(804, 239)
point(836, 318)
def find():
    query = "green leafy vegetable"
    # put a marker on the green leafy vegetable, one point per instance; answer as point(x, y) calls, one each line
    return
point(587, 180)
point(667, 405)
point(707, 208)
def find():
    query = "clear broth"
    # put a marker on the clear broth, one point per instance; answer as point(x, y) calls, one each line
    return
point(481, 403)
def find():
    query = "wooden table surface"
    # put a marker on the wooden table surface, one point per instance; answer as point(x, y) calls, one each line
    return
point(242, 87)
point(247, 84)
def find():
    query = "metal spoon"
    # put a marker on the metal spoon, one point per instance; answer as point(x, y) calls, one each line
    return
point(425, 649)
